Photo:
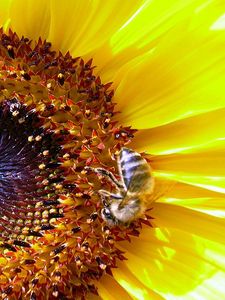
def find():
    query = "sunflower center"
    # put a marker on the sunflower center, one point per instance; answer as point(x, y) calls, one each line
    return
point(27, 156)
point(18, 158)
point(56, 119)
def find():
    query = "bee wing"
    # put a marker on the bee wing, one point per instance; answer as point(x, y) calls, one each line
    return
point(135, 171)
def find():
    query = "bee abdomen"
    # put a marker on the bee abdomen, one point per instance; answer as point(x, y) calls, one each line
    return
point(130, 158)
point(135, 170)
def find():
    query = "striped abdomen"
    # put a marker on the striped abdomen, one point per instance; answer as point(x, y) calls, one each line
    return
point(135, 171)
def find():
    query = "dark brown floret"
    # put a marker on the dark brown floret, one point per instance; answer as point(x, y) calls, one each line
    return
point(22, 186)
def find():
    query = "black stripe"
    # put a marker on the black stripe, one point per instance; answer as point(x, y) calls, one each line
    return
point(130, 172)
point(138, 180)
point(130, 159)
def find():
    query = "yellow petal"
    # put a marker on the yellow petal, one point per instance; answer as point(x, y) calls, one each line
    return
point(153, 19)
point(134, 284)
point(140, 33)
point(109, 289)
point(160, 257)
point(194, 197)
point(82, 26)
point(191, 134)
point(204, 169)
point(184, 191)
point(173, 216)
point(211, 288)
point(4, 12)
point(90, 296)
point(30, 18)
point(178, 78)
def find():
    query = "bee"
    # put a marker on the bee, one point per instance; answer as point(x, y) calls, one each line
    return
point(134, 188)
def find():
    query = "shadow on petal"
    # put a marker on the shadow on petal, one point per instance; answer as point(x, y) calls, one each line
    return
point(169, 261)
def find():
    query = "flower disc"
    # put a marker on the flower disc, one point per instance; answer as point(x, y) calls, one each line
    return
point(56, 118)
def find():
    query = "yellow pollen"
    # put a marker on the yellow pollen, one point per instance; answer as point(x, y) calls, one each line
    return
point(55, 293)
point(30, 138)
point(45, 214)
point(60, 76)
point(87, 112)
point(78, 262)
point(58, 186)
point(107, 232)
point(102, 266)
point(52, 211)
point(45, 152)
point(41, 166)
point(21, 120)
point(15, 113)
point(66, 156)
point(38, 138)
point(117, 153)
point(111, 241)
point(25, 230)
point(78, 195)
point(45, 182)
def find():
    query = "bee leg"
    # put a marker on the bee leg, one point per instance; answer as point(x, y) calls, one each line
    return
point(107, 197)
point(109, 175)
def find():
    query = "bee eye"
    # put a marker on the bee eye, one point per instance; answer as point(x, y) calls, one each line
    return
point(107, 213)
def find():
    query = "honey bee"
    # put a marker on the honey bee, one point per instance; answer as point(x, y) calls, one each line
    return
point(134, 189)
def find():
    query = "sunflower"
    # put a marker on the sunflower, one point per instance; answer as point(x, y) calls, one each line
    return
point(79, 81)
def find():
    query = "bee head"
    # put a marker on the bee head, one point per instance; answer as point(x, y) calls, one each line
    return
point(108, 216)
